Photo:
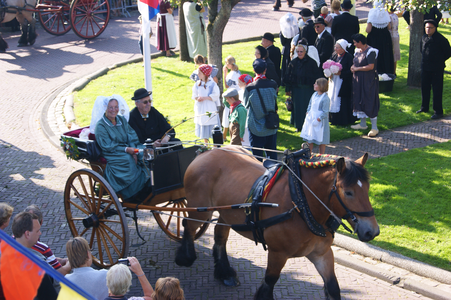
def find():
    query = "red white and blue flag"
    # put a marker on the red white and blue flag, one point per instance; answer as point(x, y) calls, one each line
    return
point(148, 9)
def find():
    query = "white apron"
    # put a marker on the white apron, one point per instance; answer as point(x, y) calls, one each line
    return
point(334, 88)
point(312, 129)
point(170, 28)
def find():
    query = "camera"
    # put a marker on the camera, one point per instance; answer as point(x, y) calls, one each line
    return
point(124, 261)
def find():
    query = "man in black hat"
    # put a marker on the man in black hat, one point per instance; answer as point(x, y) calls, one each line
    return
point(344, 26)
point(273, 52)
point(435, 50)
point(324, 42)
point(308, 31)
point(147, 121)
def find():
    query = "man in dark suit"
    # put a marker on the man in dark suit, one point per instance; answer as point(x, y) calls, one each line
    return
point(345, 25)
point(273, 51)
point(435, 50)
point(308, 31)
point(324, 42)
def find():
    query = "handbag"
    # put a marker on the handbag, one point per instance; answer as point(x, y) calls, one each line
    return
point(271, 118)
point(289, 104)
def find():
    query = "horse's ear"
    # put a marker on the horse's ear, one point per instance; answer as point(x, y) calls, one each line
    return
point(341, 165)
point(363, 159)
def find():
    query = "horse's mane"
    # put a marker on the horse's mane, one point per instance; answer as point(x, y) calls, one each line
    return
point(354, 172)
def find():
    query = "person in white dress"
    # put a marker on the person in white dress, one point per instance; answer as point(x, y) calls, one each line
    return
point(243, 81)
point(316, 128)
point(231, 81)
point(206, 97)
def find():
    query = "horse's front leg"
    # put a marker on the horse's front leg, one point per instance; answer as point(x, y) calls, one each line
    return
point(325, 267)
point(186, 254)
point(276, 262)
point(31, 30)
point(23, 40)
point(223, 271)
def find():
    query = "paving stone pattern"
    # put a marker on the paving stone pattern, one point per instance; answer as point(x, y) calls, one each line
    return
point(34, 171)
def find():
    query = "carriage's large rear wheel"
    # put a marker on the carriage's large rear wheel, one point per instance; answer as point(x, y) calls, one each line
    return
point(171, 225)
point(94, 212)
point(89, 18)
point(56, 22)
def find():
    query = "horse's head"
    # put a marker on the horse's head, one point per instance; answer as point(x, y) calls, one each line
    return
point(352, 192)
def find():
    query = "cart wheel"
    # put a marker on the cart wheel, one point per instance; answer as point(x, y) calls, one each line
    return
point(55, 22)
point(172, 225)
point(94, 212)
point(89, 18)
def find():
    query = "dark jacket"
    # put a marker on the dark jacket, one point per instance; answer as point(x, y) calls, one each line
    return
point(153, 127)
point(435, 51)
point(308, 32)
point(346, 74)
point(271, 72)
point(325, 47)
point(301, 72)
point(275, 55)
point(345, 26)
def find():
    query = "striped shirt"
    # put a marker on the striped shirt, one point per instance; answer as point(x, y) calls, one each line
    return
point(48, 254)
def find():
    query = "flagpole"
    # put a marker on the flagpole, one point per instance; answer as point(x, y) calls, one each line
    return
point(145, 29)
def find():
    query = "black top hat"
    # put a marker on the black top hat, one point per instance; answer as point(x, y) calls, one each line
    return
point(268, 36)
point(320, 20)
point(433, 22)
point(305, 12)
point(141, 93)
point(347, 4)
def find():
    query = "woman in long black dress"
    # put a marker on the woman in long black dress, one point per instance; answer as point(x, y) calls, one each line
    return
point(340, 87)
point(365, 84)
point(301, 74)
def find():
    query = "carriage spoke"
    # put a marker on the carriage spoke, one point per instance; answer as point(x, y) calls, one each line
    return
point(107, 250)
point(79, 207)
point(91, 241)
point(84, 231)
point(104, 210)
point(111, 242)
point(111, 221)
point(169, 221)
point(99, 244)
point(100, 197)
point(113, 232)
point(83, 186)
point(80, 196)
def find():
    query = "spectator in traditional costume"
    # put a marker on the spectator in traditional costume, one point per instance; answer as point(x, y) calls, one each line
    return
point(435, 50)
point(195, 28)
point(201, 60)
point(324, 42)
point(230, 81)
point(273, 52)
point(301, 74)
point(379, 37)
point(271, 73)
point(288, 29)
point(345, 25)
point(166, 38)
point(365, 84)
point(340, 86)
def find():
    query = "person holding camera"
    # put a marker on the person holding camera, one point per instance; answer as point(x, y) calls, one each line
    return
point(119, 280)
point(80, 258)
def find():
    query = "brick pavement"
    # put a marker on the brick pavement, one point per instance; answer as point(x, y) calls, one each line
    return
point(33, 171)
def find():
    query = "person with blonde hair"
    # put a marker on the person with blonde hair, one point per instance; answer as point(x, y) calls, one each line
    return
point(230, 82)
point(201, 60)
point(168, 288)
point(6, 211)
point(316, 128)
point(119, 280)
point(80, 258)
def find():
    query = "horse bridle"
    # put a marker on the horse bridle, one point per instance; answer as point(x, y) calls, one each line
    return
point(349, 213)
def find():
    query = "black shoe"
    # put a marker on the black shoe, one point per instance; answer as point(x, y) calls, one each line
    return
point(422, 111)
point(436, 116)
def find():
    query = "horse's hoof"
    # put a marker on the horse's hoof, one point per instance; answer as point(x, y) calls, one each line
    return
point(21, 44)
point(233, 281)
point(32, 42)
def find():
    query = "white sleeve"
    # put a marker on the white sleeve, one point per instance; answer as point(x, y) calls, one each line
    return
point(215, 94)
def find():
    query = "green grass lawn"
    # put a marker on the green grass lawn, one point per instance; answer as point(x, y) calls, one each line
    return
point(409, 191)
point(410, 194)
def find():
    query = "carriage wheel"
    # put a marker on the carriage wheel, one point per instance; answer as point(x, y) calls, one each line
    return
point(94, 212)
point(171, 225)
point(89, 18)
point(56, 23)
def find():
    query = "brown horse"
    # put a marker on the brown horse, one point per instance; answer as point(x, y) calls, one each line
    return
point(219, 177)
point(22, 10)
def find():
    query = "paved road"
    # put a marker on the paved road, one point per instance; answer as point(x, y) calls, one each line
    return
point(34, 171)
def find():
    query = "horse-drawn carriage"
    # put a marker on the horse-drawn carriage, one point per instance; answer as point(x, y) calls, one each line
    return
point(294, 207)
point(87, 18)
point(94, 211)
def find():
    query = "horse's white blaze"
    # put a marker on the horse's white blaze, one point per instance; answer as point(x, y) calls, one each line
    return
point(359, 183)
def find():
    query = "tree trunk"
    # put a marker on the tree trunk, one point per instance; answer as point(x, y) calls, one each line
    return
point(416, 32)
point(183, 43)
point(217, 22)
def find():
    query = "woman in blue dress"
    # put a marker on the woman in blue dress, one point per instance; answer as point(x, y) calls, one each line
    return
point(125, 170)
